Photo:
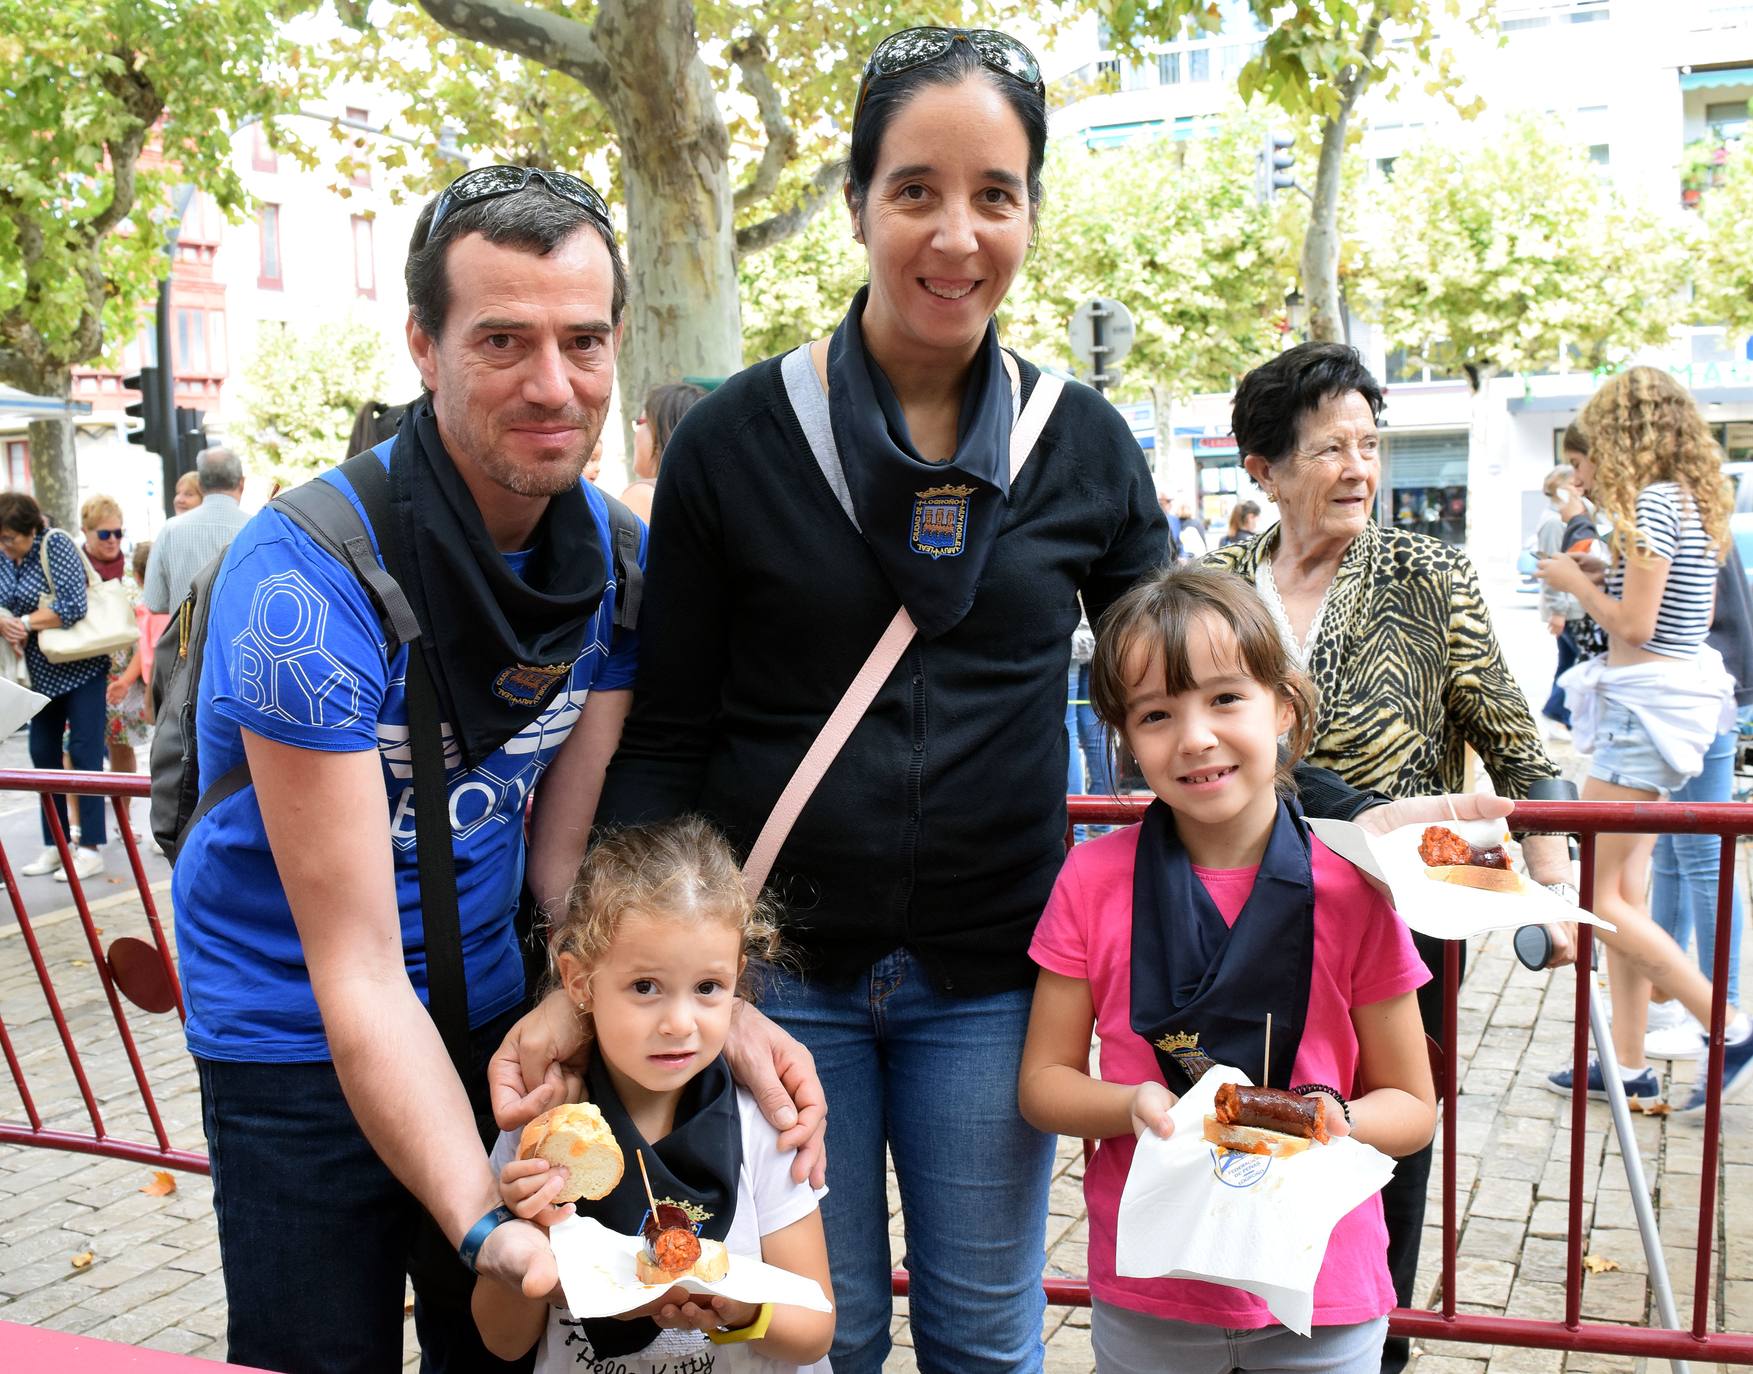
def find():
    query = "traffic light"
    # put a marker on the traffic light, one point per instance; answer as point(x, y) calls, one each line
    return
point(154, 430)
point(1275, 161)
point(191, 437)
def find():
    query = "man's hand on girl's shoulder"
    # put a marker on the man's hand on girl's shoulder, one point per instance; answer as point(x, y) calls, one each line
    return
point(780, 1073)
point(539, 1064)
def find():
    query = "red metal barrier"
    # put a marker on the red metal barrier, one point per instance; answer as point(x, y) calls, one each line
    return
point(118, 787)
point(1586, 820)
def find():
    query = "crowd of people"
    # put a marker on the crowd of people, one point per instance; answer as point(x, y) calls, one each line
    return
point(751, 832)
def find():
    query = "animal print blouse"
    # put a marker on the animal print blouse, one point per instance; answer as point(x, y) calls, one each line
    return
point(1408, 671)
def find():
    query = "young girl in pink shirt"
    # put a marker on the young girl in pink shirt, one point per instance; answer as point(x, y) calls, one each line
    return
point(1174, 939)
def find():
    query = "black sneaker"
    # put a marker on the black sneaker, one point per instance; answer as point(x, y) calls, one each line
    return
point(1645, 1085)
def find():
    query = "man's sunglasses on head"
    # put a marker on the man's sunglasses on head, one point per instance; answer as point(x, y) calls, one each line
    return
point(910, 48)
point(502, 179)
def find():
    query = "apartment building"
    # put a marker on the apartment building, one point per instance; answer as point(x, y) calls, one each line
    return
point(1651, 87)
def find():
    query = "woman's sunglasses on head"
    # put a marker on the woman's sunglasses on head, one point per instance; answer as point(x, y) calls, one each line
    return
point(490, 183)
point(910, 48)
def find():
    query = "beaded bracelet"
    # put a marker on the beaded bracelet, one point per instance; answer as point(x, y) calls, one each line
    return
point(1333, 1093)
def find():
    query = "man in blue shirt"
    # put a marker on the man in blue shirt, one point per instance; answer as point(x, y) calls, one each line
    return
point(335, 1121)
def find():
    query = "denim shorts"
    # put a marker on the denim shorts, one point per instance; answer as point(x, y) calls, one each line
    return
point(1626, 755)
point(1126, 1342)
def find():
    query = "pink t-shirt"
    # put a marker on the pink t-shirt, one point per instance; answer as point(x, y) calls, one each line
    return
point(1363, 954)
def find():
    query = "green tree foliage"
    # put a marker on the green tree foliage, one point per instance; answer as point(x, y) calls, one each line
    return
point(1722, 280)
point(1316, 61)
point(109, 105)
point(798, 288)
point(302, 389)
point(1512, 247)
point(720, 126)
point(1173, 230)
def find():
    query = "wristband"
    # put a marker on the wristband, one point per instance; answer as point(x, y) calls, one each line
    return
point(752, 1332)
point(1333, 1093)
point(470, 1250)
point(1565, 890)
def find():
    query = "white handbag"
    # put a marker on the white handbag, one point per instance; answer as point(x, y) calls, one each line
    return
point(107, 625)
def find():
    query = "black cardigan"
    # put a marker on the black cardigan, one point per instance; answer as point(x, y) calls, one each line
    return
point(940, 827)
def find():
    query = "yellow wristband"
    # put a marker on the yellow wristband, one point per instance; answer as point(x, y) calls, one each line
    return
point(752, 1332)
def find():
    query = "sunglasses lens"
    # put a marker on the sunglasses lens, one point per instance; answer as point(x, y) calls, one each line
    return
point(1003, 52)
point(574, 189)
point(488, 181)
point(909, 48)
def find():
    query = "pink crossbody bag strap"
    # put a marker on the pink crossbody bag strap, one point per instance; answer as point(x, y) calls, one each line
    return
point(844, 718)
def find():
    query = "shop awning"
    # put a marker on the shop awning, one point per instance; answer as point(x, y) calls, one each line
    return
point(1719, 76)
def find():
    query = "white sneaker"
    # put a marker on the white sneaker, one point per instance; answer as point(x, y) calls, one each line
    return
point(87, 863)
point(49, 861)
point(1674, 1033)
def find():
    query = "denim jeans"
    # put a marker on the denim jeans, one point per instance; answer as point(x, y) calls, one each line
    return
point(1086, 770)
point(932, 1080)
point(316, 1234)
point(79, 715)
point(1555, 709)
point(1683, 891)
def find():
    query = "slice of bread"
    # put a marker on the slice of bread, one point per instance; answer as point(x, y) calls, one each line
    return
point(575, 1136)
point(1253, 1140)
point(1484, 879)
point(714, 1261)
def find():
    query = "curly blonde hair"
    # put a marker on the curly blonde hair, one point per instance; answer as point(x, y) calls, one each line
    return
point(1643, 427)
point(679, 868)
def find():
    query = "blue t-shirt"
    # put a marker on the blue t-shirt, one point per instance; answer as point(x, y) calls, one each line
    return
point(296, 654)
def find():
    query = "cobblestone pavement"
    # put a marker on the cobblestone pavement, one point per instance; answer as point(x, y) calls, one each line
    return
point(153, 1276)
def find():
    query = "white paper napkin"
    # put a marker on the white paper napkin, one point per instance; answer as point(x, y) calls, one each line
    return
point(1444, 911)
point(1191, 1210)
point(597, 1274)
point(17, 705)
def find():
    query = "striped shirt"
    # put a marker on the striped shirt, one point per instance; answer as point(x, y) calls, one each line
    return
point(1667, 527)
point(188, 543)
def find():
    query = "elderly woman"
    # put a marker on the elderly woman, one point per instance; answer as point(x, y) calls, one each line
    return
point(798, 507)
point(1393, 631)
point(125, 719)
point(75, 690)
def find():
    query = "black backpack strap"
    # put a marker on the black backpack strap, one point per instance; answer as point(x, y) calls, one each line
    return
point(322, 510)
point(228, 784)
point(624, 527)
point(447, 992)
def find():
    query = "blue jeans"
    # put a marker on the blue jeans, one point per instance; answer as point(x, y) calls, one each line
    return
point(1683, 893)
point(79, 715)
point(316, 1234)
point(933, 1080)
point(1087, 771)
point(1555, 709)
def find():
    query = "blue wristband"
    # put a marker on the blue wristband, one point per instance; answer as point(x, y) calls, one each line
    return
point(470, 1249)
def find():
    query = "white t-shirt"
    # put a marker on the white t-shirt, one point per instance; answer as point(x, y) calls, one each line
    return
point(767, 1201)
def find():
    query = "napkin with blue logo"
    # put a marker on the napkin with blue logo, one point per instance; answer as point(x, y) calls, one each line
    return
point(1193, 1210)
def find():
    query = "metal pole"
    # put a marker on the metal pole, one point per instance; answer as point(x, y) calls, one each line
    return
point(1099, 347)
point(1628, 1151)
point(167, 456)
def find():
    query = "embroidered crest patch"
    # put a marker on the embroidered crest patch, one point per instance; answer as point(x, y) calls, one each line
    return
point(940, 521)
point(1183, 1046)
point(525, 684)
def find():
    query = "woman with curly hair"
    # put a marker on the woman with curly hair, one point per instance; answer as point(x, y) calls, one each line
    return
point(1649, 708)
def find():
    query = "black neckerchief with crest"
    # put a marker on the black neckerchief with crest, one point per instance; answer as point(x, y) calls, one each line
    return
point(498, 641)
point(931, 525)
point(1201, 989)
point(695, 1167)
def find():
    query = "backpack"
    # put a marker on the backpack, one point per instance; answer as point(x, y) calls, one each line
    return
point(322, 511)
